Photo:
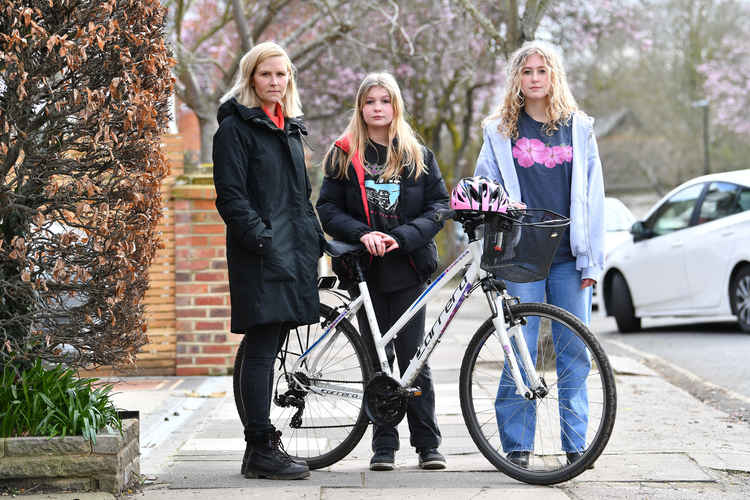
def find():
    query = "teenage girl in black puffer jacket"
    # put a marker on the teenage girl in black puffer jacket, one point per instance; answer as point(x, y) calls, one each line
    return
point(382, 188)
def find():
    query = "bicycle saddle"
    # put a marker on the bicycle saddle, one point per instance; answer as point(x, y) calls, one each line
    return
point(336, 248)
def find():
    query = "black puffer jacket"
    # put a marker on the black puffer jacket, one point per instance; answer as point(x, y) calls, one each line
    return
point(342, 214)
point(273, 236)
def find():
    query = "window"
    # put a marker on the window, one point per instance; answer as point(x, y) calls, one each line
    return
point(675, 213)
point(721, 200)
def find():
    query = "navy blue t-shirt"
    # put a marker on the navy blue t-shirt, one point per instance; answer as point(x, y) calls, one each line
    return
point(544, 168)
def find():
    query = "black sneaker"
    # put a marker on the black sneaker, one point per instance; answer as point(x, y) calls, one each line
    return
point(520, 458)
point(431, 459)
point(266, 458)
point(383, 459)
point(574, 456)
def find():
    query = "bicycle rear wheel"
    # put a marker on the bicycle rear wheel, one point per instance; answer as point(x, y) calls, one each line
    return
point(576, 415)
point(329, 425)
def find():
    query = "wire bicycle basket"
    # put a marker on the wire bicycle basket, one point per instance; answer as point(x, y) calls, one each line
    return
point(521, 248)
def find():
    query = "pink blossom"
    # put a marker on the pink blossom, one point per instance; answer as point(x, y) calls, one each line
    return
point(529, 151)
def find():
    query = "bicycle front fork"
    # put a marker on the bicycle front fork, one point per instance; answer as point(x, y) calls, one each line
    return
point(536, 388)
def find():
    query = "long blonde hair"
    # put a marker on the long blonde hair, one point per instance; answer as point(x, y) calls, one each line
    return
point(243, 89)
point(403, 152)
point(560, 102)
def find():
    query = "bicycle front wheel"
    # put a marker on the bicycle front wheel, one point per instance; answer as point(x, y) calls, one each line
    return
point(557, 435)
point(323, 418)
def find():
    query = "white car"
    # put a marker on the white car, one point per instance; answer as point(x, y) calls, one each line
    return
point(618, 219)
point(690, 256)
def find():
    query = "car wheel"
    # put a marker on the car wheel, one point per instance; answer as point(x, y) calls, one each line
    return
point(739, 296)
point(622, 306)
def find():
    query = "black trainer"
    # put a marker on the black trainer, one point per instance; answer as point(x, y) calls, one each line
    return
point(383, 459)
point(520, 458)
point(431, 459)
point(265, 458)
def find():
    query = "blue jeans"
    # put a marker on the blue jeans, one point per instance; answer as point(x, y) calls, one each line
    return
point(516, 416)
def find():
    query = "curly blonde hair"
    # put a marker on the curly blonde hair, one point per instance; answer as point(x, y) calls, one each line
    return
point(404, 152)
point(560, 102)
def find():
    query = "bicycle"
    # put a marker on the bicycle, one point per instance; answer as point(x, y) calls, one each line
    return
point(330, 381)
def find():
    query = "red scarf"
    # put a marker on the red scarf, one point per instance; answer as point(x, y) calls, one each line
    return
point(278, 117)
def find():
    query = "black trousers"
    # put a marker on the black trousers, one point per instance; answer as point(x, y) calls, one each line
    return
point(262, 344)
point(420, 411)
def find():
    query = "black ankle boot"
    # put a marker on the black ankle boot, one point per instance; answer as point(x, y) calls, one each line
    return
point(265, 458)
point(249, 449)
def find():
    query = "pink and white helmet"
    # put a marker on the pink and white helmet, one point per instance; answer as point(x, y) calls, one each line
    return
point(479, 194)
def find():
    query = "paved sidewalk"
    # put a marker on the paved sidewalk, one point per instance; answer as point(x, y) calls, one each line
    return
point(666, 444)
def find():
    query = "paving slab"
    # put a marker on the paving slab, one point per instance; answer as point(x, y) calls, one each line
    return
point(530, 493)
point(247, 493)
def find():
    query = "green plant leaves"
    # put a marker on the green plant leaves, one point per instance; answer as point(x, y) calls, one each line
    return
point(54, 402)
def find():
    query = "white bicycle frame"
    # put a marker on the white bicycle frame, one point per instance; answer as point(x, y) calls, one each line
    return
point(469, 260)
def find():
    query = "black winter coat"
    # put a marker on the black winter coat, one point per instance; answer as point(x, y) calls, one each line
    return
point(342, 214)
point(274, 239)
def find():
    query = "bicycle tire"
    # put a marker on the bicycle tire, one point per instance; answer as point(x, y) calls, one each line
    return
point(481, 370)
point(333, 443)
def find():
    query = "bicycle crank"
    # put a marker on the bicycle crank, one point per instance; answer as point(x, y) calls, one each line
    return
point(385, 400)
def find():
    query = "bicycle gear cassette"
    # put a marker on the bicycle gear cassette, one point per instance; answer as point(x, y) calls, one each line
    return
point(385, 402)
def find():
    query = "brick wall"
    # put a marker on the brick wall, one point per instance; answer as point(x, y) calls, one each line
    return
point(204, 344)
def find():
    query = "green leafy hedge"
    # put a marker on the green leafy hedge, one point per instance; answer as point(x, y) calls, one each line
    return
point(54, 402)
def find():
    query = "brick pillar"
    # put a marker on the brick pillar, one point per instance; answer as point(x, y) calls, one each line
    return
point(204, 344)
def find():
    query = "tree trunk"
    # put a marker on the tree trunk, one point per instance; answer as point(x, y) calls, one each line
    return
point(208, 126)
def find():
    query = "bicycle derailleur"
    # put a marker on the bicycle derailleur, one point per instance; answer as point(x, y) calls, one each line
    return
point(385, 400)
point(294, 397)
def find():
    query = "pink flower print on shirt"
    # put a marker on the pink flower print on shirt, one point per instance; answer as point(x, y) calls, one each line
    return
point(558, 155)
point(529, 151)
point(567, 153)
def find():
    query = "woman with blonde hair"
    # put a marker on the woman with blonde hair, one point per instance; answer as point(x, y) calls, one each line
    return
point(542, 148)
point(273, 237)
point(382, 188)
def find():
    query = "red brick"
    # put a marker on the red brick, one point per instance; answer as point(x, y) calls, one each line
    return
point(209, 229)
point(193, 289)
point(203, 205)
point(217, 276)
point(184, 360)
point(182, 218)
point(220, 313)
point(196, 265)
point(218, 349)
point(184, 326)
point(219, 264)
point(211, 360)
point(185, 337)
point(220, 338)
point(186, 371)
point(205, 338)
point(191, 241)
point(181, 205)
point(184, 277)
point(191, 313)
point(181, 253)
point(203, 253)
point(209, 301)
point(219, 289)
point(209, 325)
point(183, 300)
point(182, 229)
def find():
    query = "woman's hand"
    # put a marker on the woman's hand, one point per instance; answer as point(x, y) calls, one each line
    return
point(587, 282)
point(378, 243)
